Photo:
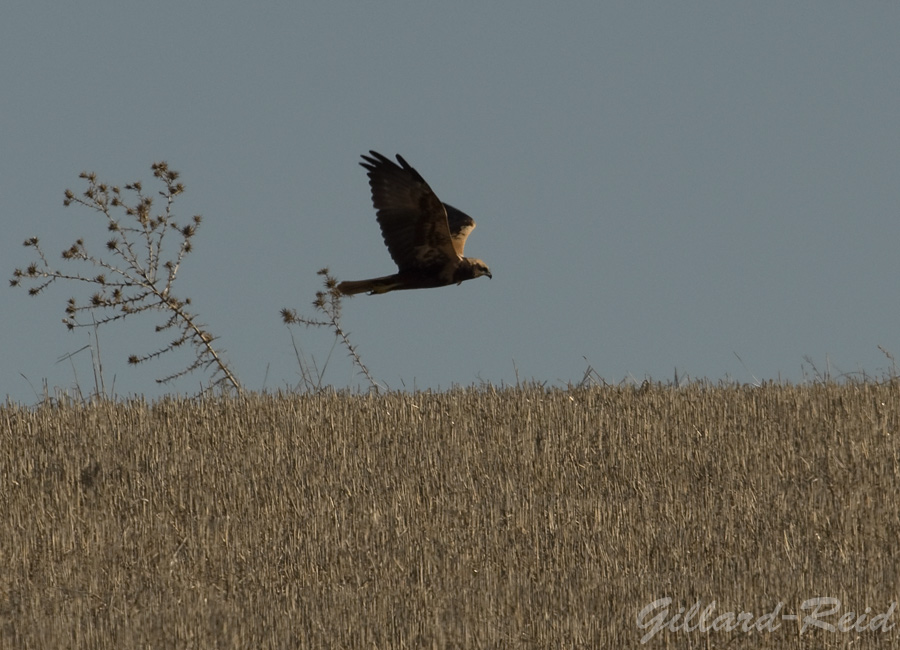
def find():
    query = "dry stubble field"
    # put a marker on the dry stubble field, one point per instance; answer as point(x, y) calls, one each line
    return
point(473, 518)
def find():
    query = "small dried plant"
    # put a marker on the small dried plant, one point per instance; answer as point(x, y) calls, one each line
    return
point(136, 274)
point(327, 303)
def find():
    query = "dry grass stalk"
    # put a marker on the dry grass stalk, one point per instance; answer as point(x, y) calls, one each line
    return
point(521, 517)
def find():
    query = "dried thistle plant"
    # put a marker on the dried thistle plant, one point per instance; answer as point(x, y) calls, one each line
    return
point(136, 274)
point(327, 303)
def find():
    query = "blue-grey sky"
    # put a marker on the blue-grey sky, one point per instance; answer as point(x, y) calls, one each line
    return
point(657, 186)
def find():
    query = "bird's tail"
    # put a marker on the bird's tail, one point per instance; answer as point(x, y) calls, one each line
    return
point(373, 285)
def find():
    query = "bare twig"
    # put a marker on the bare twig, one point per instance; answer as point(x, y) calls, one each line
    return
point(328, 303)
point(137, 274)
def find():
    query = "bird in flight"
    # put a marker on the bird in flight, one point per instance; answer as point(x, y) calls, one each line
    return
point(424, 236)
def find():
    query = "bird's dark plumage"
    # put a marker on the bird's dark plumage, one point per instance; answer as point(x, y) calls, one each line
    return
point(424, 236)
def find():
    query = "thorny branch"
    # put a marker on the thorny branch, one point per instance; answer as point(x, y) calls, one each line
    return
point(328, 303)
point(137, 274)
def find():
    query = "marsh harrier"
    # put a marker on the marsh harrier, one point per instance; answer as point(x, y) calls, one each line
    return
point(424, 236)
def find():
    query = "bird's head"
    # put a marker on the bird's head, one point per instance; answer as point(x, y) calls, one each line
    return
point(479, 268)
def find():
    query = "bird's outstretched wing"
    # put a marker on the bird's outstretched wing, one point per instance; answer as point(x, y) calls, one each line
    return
point(413, 220)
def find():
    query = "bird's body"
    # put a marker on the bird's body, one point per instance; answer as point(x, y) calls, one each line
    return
point(424, 236)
